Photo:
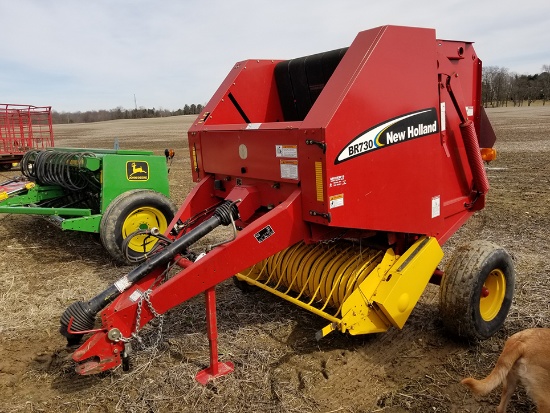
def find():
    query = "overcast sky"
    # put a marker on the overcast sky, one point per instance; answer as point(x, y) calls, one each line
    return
point(86, 55)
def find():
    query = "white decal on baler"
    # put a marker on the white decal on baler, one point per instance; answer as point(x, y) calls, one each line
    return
point(339, 180)
point(136, 295)
point(336, 201)
point(289, 169)
point(436, 206)
point(401, 129)
point(286, 151)
point(253, 126)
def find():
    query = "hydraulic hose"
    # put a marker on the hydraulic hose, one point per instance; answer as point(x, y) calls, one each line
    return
point(51, 167)
point(83, 313)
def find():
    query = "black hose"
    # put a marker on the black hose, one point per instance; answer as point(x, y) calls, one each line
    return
point(159, 245)
point(65, 169)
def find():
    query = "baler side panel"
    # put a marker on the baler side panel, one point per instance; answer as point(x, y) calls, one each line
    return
point(255, 153)
point(456, 57)
point(458, 61)
point(386, 74)
point(341, 81)
point(248, 95)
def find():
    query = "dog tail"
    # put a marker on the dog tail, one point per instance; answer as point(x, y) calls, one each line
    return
point(512, 352)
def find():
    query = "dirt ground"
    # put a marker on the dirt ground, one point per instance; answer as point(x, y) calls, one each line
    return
point(280, 367)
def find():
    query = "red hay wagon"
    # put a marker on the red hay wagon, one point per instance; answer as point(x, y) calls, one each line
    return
point(23, 127)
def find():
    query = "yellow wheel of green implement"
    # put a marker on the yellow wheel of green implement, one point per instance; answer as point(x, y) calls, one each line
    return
point(140, 209)
point(143, 218)
point(477, 290)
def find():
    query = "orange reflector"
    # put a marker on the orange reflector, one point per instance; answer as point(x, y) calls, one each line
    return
point(488, 154)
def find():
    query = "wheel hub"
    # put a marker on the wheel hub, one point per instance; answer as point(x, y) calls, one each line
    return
point(142, 219)
point(492, 295)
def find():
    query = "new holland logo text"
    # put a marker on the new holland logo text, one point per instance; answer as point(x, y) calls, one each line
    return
point(401, 129)
point(137, 171)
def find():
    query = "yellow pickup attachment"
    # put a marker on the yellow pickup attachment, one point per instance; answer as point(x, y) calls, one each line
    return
point(360, 290)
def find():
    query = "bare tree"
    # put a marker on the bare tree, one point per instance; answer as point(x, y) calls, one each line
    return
point(496, 86)
point(545, 83)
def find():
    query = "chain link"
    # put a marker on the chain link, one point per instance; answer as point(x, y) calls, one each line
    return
point(146, 296)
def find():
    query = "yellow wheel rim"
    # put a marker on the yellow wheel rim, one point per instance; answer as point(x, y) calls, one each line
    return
point(492, 295)
point(143, 218)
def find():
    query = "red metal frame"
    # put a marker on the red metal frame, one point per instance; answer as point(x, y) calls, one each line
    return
point(393, 189)
point(380, 153)
point(24, 127)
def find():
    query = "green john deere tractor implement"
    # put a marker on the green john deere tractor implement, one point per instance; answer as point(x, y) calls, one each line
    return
point(120, 194)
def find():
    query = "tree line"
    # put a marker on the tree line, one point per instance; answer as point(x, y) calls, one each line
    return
point(500, 87)
point(121, 113)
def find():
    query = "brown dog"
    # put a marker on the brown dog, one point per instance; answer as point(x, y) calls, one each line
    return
point(526, 357)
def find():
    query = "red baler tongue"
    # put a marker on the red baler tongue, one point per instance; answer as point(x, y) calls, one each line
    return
point(98, 354)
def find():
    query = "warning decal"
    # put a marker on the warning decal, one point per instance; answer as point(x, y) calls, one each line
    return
point(286, 151)
point(336, 201)
point(289, 169)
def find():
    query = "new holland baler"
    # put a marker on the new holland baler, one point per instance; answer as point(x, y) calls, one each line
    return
point(342, 174)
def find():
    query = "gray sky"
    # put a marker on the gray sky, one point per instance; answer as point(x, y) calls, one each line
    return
point(85, 55)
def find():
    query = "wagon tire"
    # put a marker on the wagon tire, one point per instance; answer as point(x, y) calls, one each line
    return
point(130, 211)
point(5, 166)
point(477, 290)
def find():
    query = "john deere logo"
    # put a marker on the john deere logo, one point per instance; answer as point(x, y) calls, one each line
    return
point(137, 171)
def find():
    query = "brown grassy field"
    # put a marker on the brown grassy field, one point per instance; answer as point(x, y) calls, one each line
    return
point(280, 367)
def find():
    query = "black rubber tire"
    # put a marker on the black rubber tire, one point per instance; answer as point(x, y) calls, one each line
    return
point(5, 166)
point(462, 286)
point(120, 209)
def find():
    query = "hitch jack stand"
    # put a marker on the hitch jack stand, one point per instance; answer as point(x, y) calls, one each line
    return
point(216, 369)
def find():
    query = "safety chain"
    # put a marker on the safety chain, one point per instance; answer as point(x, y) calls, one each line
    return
point(146, 296)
